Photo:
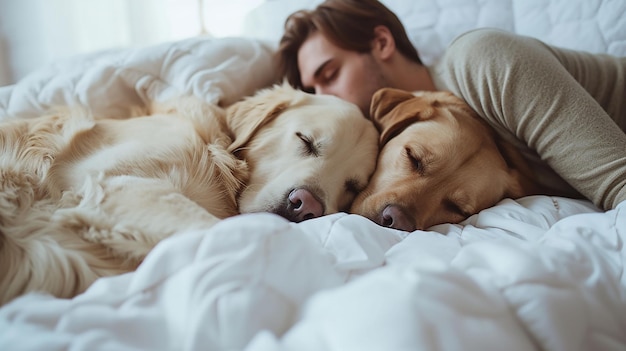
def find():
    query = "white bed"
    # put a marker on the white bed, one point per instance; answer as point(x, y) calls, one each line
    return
point(534, 273)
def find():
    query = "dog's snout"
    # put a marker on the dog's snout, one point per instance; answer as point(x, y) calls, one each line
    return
point(393, 217)
point(304, 205)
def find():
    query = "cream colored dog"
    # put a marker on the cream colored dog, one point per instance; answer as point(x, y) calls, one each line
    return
point(82, 197)
point(439, 163)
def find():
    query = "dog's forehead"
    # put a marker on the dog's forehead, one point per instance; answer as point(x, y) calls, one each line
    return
point(430, 126)
point(447, 147)
point(318, 114)
point(426, 107)
point(441, 113)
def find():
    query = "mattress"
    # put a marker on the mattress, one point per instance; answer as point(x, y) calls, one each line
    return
point(538, 272)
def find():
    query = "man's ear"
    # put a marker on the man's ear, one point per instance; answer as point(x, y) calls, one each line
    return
point(389, 124)
point(383, 44)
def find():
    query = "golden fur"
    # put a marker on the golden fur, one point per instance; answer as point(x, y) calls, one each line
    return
point(439, 162)
point(82, 197)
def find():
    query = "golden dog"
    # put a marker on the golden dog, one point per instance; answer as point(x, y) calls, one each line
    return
point(82, 197)
point(439, 163)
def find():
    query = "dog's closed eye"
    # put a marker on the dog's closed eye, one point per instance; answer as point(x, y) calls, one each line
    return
point(414, 161)
point(309, 147)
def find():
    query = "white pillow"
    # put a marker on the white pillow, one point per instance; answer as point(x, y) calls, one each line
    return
point(597, 26)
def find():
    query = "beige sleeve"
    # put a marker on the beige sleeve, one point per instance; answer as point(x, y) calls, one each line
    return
point(569, 107)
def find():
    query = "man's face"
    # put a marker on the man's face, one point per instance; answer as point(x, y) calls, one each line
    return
point(349, 75)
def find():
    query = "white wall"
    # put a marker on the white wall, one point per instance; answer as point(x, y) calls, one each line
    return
point(6, 76)
point(15, 18)
point(36, 32)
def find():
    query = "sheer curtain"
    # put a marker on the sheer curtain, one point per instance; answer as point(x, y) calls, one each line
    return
point(35, 32)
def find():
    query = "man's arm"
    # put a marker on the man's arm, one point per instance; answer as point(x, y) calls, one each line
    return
point(570, 107)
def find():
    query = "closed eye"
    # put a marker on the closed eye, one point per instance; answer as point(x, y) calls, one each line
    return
point(308, 146)
point(329, 76)
point(414, 161)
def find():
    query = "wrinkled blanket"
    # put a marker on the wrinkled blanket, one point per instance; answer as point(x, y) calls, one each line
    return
point(340, 282)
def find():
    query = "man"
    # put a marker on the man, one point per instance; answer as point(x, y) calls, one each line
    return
point(565, 110)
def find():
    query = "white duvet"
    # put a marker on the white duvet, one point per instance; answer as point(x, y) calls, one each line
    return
point(537, 273)
point(340, 282)
point(220, 71)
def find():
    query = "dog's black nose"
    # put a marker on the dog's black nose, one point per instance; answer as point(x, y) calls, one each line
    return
point(394, 217)
point(304, 205)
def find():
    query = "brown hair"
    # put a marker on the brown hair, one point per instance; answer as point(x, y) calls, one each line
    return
point(348, 24)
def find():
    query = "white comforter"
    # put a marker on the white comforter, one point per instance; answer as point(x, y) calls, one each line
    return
point(537, 273)
point(220, 71)
point(258, 282)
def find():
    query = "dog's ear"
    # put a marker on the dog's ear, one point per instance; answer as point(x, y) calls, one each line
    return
point(390, 124)
point(246, 117)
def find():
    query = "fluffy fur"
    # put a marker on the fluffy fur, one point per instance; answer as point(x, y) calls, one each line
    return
point(82, 197)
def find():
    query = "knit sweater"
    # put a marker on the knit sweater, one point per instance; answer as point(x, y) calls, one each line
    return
point(564, 110)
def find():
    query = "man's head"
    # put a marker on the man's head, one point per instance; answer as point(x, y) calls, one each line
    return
point(338, 49)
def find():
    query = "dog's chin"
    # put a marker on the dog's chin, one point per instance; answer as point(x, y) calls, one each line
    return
point(284, 212)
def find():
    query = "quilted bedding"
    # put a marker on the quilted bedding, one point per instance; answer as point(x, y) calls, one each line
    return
point(534, 273)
